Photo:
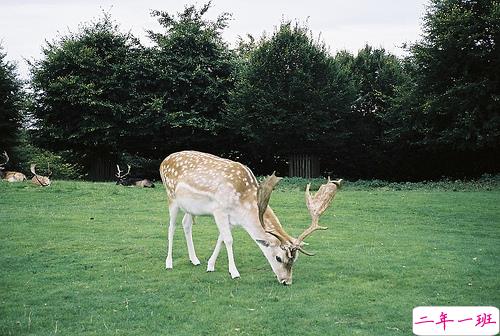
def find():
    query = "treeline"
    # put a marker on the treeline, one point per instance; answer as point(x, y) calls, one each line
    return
point(99, 97)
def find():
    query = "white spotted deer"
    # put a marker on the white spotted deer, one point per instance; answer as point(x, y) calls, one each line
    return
point(10, 176)
point(203, 184)
point(131, 181)
point(39, 180)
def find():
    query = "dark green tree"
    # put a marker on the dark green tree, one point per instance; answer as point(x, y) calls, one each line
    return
point(194, 74)
point(291, 97)
point(88, 99)
point(11, 100)
point(457, 86)
point(376, 76)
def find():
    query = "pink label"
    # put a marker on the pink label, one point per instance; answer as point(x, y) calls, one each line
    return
point(455, 321)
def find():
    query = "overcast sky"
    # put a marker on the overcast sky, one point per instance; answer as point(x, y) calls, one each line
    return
point(343, 24)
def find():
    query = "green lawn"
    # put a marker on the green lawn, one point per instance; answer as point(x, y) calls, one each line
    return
point(81, 258)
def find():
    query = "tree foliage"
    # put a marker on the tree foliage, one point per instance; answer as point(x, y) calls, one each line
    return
point(11, 100)
point(100, 96)
point(458, 74)
point(376, 76)
point(290, 96)
point(86, 92)
point(194, 74)
point(454, 102)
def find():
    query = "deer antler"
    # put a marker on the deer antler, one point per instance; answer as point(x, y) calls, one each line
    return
point(317, 204)
point(263, 195)
point(6, 157)
point(49, 172)
point(128, 171)
point(119, 174)
point(32, 168)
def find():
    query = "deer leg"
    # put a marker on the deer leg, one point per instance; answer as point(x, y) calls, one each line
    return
point(215, 254)
point(222, 221)
point(187, 224)
point(173, 209)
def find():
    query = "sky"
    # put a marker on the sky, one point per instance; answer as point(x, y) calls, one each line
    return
point(26, 25)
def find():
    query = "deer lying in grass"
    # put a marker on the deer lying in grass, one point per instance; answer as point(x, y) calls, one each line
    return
point(39, 180)
point(204, 184)
point(10, 176)
point(132, 181)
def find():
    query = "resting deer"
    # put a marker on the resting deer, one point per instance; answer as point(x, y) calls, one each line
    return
point(39, 180)
point(204, 184)
point(10, 176)
point(132, 181)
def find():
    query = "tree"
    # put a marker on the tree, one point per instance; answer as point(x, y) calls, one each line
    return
point(457, 85)
point(87, 95)
point(11, 98)
point(376, 75)
point(194, 74)
point(290, 97)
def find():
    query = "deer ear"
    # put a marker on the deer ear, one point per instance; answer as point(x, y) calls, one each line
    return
point(263, 242)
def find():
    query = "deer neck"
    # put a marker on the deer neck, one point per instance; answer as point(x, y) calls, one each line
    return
point(248, 218)
point(251, 224)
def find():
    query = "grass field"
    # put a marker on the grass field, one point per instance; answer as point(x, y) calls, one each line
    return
point(82, 258)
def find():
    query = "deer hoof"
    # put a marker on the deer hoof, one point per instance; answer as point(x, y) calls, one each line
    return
point(235, 275)
point(168, 264)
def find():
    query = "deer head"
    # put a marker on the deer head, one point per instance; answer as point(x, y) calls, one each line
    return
point(281, 251)
point(119, 176)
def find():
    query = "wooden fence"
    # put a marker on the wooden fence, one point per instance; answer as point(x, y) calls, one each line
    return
point(303, 165)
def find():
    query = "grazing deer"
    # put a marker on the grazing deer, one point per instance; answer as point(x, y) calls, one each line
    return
point(132, 181)
point(10, 176)
point(204, 184)
point(39, 180)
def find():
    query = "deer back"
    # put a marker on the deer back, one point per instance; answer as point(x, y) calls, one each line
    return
point(12, 176)
point(145, 183)
point(227, 182)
